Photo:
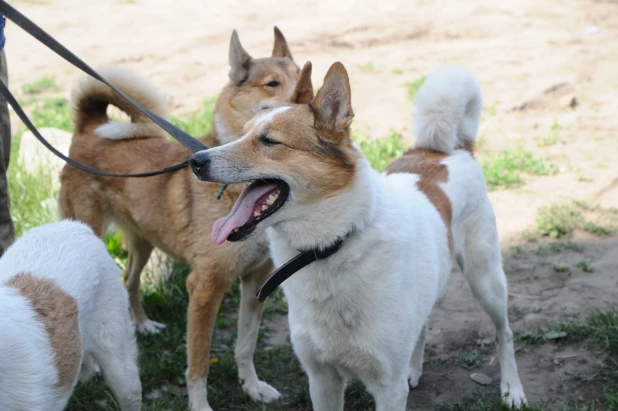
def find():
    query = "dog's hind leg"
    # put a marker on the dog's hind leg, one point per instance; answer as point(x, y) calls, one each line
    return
point(248, 326)
point(416, 362)
point(482, 265)
point(139, 253)
point(110, 338)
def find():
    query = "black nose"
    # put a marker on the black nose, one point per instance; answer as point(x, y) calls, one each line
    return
point(200, 163)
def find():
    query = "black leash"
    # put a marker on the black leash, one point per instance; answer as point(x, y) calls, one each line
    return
point(24, 118)
point(294, 265)
point(35, 31)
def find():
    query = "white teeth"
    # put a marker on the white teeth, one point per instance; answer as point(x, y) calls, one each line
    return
point(235, 230)
point(272, 198)
point(257, 213)
point(264, 207)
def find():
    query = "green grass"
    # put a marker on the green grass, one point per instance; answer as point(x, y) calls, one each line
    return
point(380, 152)
point(505, 169)
point(32, 196)
point(598, 330)
point(198, 123)
point(561, 220)
point(414, 86)
point(470, 359)
point(40, 86)
point(552, 138)
point(53, 112)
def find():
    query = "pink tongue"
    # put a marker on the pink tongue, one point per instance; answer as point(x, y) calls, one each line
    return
point(241, 213)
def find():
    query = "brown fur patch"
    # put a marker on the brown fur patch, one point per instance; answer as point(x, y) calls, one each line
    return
point(469, 146)
point(324, 162)
point(427, 165)
point(57, 312)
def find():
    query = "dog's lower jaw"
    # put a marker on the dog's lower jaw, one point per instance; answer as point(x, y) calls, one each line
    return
point(198, 400)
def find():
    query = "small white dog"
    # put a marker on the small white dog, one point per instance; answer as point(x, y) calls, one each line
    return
point(362, 311)
point(62, 304)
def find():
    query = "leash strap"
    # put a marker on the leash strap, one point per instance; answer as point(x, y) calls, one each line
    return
point(24, 118)
point(294, 265)
point(35, 31)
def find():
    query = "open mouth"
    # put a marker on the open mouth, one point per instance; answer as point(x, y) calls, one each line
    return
point(258, 201)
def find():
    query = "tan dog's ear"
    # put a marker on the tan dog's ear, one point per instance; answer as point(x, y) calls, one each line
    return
point(333, 102)
point(280, 48)
point(303, 93)
point(239, 60)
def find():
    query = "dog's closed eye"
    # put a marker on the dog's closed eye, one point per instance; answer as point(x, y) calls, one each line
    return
point(268, 141)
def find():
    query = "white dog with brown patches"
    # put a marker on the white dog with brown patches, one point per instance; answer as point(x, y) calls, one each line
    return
point(362, 312)
point(62, 303)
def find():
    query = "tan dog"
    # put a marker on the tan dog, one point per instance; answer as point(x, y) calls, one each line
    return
point(174, 212)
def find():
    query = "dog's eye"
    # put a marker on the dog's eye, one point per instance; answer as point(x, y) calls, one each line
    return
point(268, 141)
point(273, 84)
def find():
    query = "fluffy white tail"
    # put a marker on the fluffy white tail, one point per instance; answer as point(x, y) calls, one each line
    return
point(448, 109)
point(91, 97)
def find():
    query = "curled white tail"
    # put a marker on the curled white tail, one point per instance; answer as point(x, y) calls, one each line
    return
point(448, 109)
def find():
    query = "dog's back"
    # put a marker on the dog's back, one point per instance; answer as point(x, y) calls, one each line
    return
point(67, 253)
point(61, 297)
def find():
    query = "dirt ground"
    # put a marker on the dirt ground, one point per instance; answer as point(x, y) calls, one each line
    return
point(538, 62)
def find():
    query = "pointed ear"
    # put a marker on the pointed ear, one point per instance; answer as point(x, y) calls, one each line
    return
point(333, 102)
point(303, 94)
point(280, 48)
point(239, 60)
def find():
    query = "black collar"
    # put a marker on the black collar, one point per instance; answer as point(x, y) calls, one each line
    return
point(296, 264)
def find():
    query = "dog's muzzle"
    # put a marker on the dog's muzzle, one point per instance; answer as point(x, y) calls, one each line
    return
point(200, 164)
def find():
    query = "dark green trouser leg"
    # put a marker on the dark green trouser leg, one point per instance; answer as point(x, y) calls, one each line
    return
point(7, 231)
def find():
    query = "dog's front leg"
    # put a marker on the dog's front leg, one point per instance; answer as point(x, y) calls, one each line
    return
point(390, 396)
point(326, 387)
point(206, 289)
point(248, 326)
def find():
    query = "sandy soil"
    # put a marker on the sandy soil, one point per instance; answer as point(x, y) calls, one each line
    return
point(533, 59)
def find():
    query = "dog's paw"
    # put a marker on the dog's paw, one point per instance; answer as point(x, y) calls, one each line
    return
point(260, 391)
point(150, 327)
point(413, 377)
point(514, 398)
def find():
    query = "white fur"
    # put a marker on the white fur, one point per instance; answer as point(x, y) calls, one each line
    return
point(448, 109)
point(69, 254)
point(122, 131)
point(223, 133)
point(362, 312)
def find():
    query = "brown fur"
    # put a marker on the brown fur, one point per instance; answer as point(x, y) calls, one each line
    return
point(57, 313)
point(174, 212)
point(309, 141)
point(431, 172)
point(469, 146)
